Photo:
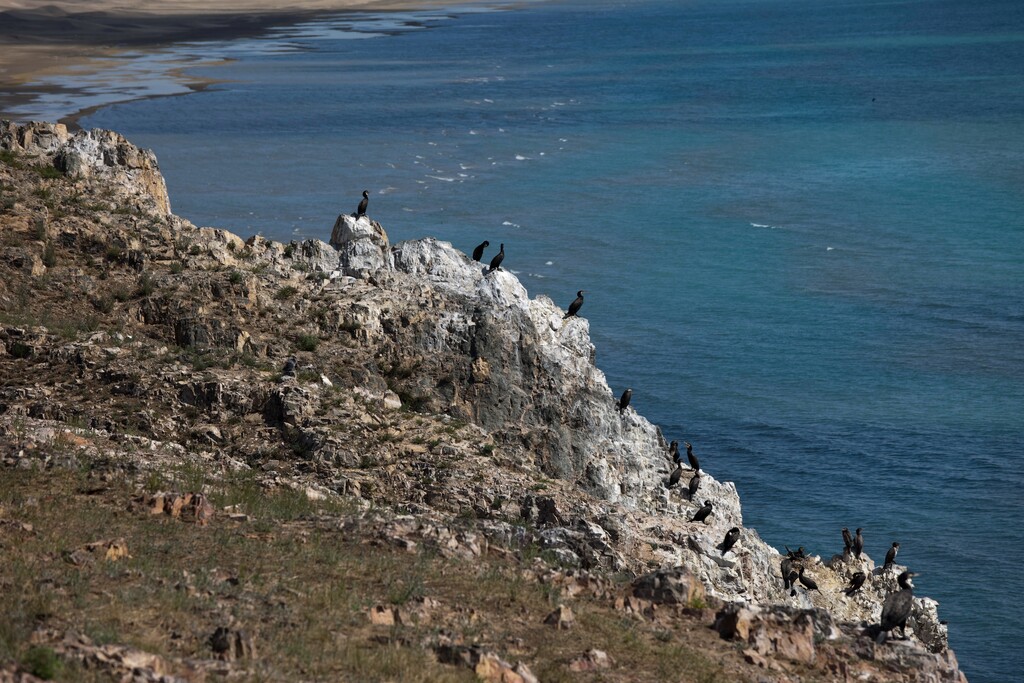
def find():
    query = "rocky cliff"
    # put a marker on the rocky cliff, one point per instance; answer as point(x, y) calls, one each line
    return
point(407, 378)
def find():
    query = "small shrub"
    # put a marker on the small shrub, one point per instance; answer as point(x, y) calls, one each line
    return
point(146, 286)
point(40, 228)
point(49, 255)
point(9, 158)
point(236, 277)
point(308, 342)
point(177, 267)
point(286, 292)
point(50, 172)
point(42, 662)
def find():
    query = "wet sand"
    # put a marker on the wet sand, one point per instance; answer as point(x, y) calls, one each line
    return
point(41, 39)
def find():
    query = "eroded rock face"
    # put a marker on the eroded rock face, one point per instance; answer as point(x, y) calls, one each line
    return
point(362, 244)
point(421, 327)
point(94, 153)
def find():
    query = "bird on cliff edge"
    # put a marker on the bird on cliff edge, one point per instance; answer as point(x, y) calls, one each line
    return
point(693, 486)
point(575, 306)
point(478, 253)
point(890, 556)
point(786, 567)
point(624, 400)
point(673, 452)
point(694, 462)
point(847, 540)
point(896, 608)
point(858, 543)
point(808, 583)
point(856, 581)
point(361, 210)
point(498, 258)
point(703, 513)
point(674, 477)
point(731, 536)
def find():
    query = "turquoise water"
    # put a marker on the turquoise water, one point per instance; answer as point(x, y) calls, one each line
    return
point(799, 224)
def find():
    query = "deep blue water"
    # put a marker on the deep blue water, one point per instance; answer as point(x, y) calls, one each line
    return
point(799, 223)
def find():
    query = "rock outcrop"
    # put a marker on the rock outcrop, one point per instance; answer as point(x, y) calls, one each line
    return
point(417, 381)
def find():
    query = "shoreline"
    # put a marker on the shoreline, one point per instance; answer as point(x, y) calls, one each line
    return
point(47, 51)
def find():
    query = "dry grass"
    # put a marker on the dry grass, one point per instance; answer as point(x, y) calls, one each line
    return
point(294, 579)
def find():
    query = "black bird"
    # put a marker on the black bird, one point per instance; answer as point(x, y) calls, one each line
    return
point(797, 554)
point(694, 483)
point(786, 566)
point(703, 513)
point(807, 581)
point(731, 536)
point(847, 540)
point(361, 211)
point(694, 462)
point(856, 581)
point(498, 258)
point(289, 367)
point(896, 608)
point(890, 556)
point(624, 400)
point(575, 306)
point(793, 576)
point(673, 452)
point(858, 543)
point(674, 478)
point(479, 251)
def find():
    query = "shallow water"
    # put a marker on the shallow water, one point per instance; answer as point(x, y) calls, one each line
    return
point(798, 225)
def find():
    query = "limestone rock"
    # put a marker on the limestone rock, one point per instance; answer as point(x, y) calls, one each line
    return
point(561, 618)
point(676, 586)
point(363, 246)
point(591, 660)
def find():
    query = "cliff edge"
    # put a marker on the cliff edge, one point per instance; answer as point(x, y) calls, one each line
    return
point(417, 401)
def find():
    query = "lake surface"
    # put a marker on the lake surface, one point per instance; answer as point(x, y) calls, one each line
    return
point(799, 225)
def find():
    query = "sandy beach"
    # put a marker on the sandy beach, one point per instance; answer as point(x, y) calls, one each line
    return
point(43, 38)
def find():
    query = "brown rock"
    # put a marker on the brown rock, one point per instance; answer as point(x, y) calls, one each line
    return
point(675, 586)
point(592, 660)
point(383, 616)
point(230, 644)
point(562, 618)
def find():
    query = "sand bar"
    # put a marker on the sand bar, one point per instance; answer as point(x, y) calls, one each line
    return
point(41, 40)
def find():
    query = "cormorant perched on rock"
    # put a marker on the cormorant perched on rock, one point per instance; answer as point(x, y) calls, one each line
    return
point(793, 576)
point(858, 544)
point(361, 211)
point(694, 484)
point(797, 554)
point(703, 513)
point(673, 452)
point(890, 556)
point(731, 536)
point(856, 581)
point(575, 306)
point(498, 258)
point(479, 251)
point(847, 540)
point(896, 608)
point(674, 478)
point(624, 400)
point(786, 567)
point(694, 462)
point(807, 581)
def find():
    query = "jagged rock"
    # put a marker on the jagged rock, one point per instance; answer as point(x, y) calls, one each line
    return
point(591, 660)
point(110, 550)
point(676, 586)
point(94, 153)
point(561, 618)
point(362, 244)
point(231, 644)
